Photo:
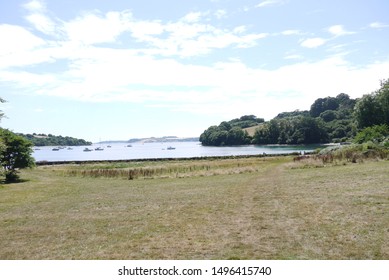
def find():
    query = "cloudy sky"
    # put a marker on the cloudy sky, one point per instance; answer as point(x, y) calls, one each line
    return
point(117, 69)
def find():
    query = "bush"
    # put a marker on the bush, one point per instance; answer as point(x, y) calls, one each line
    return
point(375, 134)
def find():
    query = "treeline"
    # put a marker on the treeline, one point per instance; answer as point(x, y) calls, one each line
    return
point(330, 119)
point(231, 132)
point(52, 140)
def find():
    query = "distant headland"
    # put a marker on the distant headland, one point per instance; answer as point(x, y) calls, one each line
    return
point(154, 140)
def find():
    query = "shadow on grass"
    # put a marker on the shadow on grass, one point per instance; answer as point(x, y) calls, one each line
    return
point(3, 181)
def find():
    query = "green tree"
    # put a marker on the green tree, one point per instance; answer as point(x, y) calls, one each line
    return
point(15, 153)
point(373, 109)
point(383, 99)
point(323, 104)
point(368, 111)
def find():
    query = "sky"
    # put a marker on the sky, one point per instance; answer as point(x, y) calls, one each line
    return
point(115, 70)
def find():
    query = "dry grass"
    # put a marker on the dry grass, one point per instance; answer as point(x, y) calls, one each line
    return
point(167, 169)
point(251, 130)
point(272, 212)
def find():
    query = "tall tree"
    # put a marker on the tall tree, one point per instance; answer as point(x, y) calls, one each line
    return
point(15, 153)
point(373, 109)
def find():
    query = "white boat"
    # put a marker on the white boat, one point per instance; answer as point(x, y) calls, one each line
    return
point(170, 148)
point(99, 149)
point(88, 150)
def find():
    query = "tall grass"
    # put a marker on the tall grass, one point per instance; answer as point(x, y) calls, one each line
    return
point(354, 153)
point(166, 170)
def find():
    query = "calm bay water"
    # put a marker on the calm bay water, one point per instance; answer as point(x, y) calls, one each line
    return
point(120, 151)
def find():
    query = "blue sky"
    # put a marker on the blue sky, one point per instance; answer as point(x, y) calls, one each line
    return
point(108, 70)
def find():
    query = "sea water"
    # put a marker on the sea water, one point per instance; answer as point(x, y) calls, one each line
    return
point(121, 151)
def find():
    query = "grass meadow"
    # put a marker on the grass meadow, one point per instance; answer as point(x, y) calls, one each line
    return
point(253, 208)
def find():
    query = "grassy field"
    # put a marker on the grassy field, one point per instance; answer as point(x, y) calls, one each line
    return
point(255, 208)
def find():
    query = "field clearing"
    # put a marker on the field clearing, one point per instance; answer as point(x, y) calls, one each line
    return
point(255, 208)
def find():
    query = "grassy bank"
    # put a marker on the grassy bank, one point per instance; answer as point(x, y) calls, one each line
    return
point(268, 208)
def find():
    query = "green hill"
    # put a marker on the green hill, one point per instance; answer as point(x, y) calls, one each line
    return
point(52, 140)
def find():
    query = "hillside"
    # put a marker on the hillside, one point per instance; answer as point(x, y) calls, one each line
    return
point(329, 119)
point(52, 140)
point(251, 130)
point(232, 132)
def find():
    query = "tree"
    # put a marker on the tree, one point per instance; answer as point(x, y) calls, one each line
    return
point(373, 109)
point(383, 99)
point(15, 153)
point(323, 104)
point(368, 111)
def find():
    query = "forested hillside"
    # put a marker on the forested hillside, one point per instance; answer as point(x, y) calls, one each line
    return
point(330, 119)
point(52, 140)
point(231, 132)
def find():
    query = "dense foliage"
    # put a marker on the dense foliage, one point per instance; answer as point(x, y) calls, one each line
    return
point(375, 134)
point(15, 153)
point(51, 140)
point(231, 132)
point(373, 109)
point(291, 130)
point(330, 119)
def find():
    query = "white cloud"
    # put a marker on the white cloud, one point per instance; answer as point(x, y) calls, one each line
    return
point(268, 3)
point(92, 28)
point(291, 32)
point(18, 45)
point(135, 72)
point(338, 30)
point(16, 38)
point(378, 25)
point(38, 18)
point(193, 17)
point(313, 42)
point(35, 6)
point(293, 56)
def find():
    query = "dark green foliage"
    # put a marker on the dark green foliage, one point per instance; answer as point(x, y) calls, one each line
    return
point(15, 153)
point(375, 134)
point(51, 140)
point(230, 133)
point(246, 121)
point(329, 115)
point(368, 111)
point(323, 104)
point(373, 109)
point(297, 130)
point(296, 113)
